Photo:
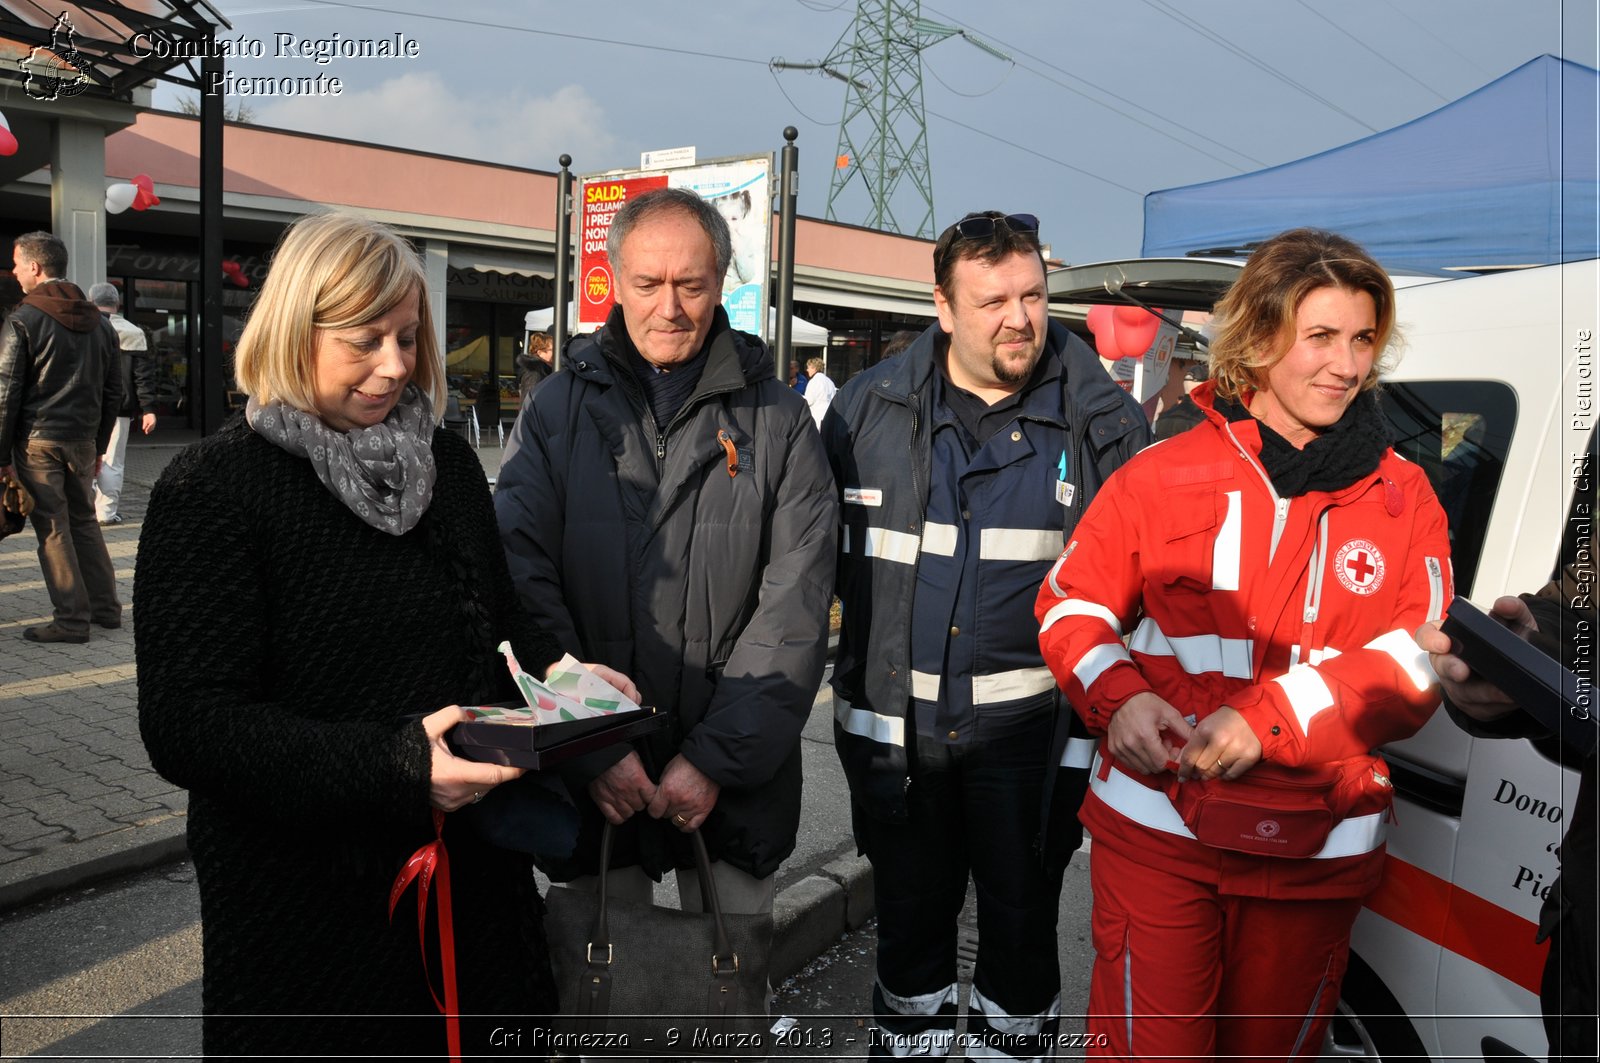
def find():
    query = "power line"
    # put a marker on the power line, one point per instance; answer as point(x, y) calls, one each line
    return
point(1444, 43)
point(1165, 8)
point(970, 95)
point(1035, 153)
point(1101, 103)
point(459, 21)
point(776, 80)
point(1442, 97)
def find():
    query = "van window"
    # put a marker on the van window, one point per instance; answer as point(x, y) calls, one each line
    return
point(1459, 432)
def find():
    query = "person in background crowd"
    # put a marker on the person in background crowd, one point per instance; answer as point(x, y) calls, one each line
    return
point(535, 365)
point(60, 390)
point(820, 390)
point(487, 404)
point(1185, 413)
point(897, 343)
point(1266, 577)
point(138, 373)
point(666, 508)
point(797, 379)
point(320, 587)
point(945, 718)
point(1560, 620)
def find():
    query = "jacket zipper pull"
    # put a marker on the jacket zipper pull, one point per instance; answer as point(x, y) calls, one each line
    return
point(661, 448)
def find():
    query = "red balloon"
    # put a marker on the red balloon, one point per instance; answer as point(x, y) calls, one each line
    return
point(1136, 330)
point(1103, 325)
point(146, 196)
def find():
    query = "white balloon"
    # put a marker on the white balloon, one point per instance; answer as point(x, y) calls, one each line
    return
point(119, 197)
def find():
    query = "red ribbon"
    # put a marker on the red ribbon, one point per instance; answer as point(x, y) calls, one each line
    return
point(428, 862)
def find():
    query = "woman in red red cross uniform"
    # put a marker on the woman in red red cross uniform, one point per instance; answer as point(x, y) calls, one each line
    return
point(1232, 619)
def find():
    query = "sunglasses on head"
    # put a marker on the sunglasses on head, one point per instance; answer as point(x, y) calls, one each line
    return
point(979, 226)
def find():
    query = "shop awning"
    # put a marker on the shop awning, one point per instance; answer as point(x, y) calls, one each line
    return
point(502, 260)
point(809, 293)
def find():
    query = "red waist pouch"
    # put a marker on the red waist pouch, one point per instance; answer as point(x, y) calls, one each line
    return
point(1269, 811)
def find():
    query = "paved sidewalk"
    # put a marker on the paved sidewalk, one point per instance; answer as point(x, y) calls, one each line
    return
point(77, 797)
point(79, 801)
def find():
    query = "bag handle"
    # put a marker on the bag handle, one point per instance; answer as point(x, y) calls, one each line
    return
point(722, 950)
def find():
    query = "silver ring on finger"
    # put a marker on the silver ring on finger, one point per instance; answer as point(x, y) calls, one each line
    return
point(477, 795)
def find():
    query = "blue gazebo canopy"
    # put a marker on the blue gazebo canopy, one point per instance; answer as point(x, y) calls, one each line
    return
point(1504, 176)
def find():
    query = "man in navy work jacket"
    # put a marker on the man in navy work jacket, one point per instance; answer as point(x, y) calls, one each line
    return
point(964, 464)
point(666, 510)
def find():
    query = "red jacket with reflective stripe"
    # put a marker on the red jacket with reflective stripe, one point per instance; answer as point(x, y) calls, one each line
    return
point(1309, 640)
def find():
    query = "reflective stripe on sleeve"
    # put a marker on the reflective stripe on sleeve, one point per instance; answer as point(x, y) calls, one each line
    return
point(939, 539)
point(1405, 652)
point(1225, 552)
point(1197, 654)
point(1079, 607)
point(1009, 686)
point(867, 724)
point(1094, 663)
point(1308, 693)
point(1018, 544)
point(1055, 570)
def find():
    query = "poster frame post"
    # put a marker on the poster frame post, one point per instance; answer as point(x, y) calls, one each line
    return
point(563, 260)
point(788, 194)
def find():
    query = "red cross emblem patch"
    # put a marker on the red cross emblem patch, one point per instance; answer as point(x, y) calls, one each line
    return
point(1359, 566)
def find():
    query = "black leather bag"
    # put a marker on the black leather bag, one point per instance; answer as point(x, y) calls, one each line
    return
point(15, 505)
point(648, 981)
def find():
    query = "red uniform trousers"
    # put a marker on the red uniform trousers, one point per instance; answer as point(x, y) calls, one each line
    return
point(1182, 972)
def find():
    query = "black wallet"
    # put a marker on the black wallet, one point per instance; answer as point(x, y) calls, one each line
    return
point(1539, 684)
point(548, 744)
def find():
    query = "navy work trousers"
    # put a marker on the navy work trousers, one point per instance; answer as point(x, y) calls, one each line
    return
point(974, 810)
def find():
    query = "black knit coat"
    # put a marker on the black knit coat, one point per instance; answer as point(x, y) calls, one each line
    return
point(285, 652)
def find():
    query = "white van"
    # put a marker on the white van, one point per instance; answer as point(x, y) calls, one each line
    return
point(1495, 397)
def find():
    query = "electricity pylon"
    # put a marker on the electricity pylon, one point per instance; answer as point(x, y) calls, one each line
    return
point(883, 136)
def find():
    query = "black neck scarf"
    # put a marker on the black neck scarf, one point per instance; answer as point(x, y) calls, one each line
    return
point(1346, 451)
point(664, 392)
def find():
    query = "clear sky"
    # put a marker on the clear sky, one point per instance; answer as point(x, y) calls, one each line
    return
point(1099, 104)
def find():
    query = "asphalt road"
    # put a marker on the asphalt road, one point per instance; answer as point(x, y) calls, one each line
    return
point(112, 972)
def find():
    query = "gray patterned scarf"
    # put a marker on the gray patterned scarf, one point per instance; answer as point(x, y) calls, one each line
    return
point(384, 474)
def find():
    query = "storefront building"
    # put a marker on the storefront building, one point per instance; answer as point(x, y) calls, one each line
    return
point(487, 234)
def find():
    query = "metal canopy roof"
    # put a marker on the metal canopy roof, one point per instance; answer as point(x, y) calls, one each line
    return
point(66, 48)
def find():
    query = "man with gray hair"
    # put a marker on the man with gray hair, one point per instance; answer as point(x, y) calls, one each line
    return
point(667, 510)
point(137, 371)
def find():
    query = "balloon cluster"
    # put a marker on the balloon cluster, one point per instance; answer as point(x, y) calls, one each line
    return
point(8, 142)
point(139, 194)
point(1123, 331)
point(233, 273)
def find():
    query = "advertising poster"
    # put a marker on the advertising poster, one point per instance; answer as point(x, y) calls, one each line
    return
point(740, 188)
point(600, 199)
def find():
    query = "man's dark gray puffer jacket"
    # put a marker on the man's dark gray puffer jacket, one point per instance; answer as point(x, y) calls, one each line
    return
point(698, 560)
